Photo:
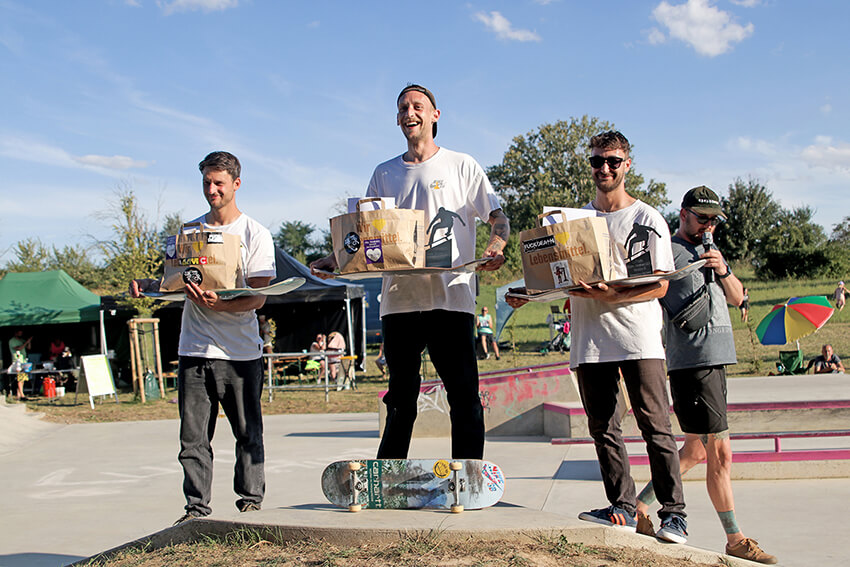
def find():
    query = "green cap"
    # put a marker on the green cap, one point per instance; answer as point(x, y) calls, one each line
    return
point(703, 201)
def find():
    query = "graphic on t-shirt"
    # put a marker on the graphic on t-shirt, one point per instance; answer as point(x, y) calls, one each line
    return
point(639, 259)
point(438, 253)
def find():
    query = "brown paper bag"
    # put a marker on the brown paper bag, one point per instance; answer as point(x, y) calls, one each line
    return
point(209, 258)
point(380, 240)
point(561, 254)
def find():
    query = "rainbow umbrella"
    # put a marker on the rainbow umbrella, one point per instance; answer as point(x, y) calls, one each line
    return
point(794, 319)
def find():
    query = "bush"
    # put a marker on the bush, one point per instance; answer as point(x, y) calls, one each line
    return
point(831, 261)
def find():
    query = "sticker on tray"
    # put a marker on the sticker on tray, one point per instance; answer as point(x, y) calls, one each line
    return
point(373, 250)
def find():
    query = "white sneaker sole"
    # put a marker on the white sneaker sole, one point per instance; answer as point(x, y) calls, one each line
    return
point(670, 536)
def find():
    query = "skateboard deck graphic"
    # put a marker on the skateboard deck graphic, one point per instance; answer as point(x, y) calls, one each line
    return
point(413, 483)
point(467, 267)
point(561, 293)
point(278, 288)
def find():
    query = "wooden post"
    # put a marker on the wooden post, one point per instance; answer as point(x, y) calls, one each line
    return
point(158, 355)
point(132, 331)
point(140, 372)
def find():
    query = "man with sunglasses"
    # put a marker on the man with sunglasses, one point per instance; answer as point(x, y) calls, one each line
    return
point(617, 331)
point(696, 365)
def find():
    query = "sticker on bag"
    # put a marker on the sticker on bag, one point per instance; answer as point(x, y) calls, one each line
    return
point(561, 274)
point(373, 250)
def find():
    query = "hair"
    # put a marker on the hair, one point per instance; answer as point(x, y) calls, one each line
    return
point(426, 92)
point(222, 161)
point(610, 140)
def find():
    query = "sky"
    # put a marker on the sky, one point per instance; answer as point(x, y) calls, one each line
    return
point(97, 96)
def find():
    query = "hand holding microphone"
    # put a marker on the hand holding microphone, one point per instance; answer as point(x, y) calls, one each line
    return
point(707, 244)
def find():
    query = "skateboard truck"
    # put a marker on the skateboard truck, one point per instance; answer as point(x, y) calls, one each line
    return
point(456, 485)
point(356, 486)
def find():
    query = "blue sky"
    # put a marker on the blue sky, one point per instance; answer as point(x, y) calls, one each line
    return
point(101, 94)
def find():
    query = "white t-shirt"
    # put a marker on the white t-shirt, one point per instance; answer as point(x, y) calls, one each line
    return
point(453, 190)
point(230, 336)
point(604, 332)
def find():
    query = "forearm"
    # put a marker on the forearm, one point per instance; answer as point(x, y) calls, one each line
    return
point(733, 288)
point(239, 304)
point(500, 230)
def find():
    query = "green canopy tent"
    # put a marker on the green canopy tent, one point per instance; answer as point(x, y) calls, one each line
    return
point(44, 298)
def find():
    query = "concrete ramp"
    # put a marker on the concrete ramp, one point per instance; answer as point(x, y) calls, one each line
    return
point(512, 400)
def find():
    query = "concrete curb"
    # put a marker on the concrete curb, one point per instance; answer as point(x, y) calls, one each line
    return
point(381, 526)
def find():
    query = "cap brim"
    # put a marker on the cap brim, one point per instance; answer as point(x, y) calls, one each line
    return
point(709, 211)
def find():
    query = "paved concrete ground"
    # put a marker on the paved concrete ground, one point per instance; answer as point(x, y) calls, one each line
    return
point(72, 491)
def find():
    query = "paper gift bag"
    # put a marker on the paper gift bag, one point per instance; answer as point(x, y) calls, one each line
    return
point(378, 240)
point(560, 254)
point(209, 258)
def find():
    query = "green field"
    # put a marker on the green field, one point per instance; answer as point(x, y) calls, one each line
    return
point(527, 328)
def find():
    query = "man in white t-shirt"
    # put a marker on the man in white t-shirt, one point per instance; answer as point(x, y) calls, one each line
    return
point(436, 312)
point(617, 330)
point(221, 352)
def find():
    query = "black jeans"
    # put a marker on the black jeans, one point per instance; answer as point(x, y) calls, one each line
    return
point(202, 384)
point(646, 384)
point(450, 339)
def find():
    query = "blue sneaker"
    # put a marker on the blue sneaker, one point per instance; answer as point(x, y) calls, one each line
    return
point(674, 529)
point(611, 516)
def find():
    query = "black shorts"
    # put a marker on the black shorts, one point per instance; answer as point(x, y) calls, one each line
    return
point(699, 399)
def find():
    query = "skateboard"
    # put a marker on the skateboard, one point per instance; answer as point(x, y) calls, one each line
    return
point(353, 276)
point(413, 483)
point(561, 293)
point(278, 288)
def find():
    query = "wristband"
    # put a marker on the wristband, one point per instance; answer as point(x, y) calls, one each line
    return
point(726, 275)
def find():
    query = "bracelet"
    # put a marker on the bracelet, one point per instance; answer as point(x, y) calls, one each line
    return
point(726, 275)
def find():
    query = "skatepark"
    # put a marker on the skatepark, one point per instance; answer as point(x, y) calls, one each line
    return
point(74, 491)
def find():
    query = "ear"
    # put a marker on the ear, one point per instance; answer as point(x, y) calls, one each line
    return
point(236, 183)
point(436, 115)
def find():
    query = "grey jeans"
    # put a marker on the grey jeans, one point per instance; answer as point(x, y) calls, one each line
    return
point(647, 389)
point(203, 383)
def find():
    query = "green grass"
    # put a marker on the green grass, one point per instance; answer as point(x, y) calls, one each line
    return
point(527, 328)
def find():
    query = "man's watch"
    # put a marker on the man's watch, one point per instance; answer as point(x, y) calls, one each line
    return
point(726, 275)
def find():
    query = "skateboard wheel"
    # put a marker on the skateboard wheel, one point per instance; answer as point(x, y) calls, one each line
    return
point(457, 509)
point(355, 507)
point(455, 465)
point(355, 466)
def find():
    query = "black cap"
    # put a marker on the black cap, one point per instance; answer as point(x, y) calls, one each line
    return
point(703, 201)
point(426, 92)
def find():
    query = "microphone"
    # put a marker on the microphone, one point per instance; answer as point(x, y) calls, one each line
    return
point(707, 244)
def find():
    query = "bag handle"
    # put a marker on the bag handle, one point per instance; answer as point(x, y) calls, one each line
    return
point(542, 216)
point(181, 236)
point(371, 200)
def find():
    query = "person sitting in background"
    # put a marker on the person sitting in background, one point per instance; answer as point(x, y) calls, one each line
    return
point(57, 347)
point(336, 342)
point(484, 323)
point(317, 362)
point(266, 333)
point(827, 362)
point(381, 361)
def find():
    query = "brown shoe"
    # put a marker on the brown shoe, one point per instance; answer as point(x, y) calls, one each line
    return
point(644, 525)
point(749, 549)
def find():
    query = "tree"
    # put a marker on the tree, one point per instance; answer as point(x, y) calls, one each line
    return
point(752, 213)
point(549, 167)
point(31, 255)
point(171, 225)
point(841, 231)
point(294, 238)
point(134, 251)
point(793, 229)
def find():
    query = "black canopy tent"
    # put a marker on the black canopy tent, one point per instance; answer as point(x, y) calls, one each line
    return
point(319, 306)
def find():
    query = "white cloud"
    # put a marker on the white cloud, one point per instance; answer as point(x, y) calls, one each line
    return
point(111, 162)
point(700, 24)
point(828, 154)
point(503, 28)
point(195, 5)
point(656, 36)
point(826, 108)
point(746, 3)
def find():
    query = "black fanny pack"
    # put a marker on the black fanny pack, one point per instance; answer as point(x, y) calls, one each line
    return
point(696, 313)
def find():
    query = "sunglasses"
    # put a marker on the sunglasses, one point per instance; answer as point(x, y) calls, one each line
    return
point(612, 161)
point(702, 219)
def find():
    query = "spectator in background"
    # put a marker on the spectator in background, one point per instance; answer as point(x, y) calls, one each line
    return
point(57, 347)
point(318, 346)
point(484, 323)
point(337, 342)
point(827, 362)
point(839, 296)
point(745, 306)
point(266, 333)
